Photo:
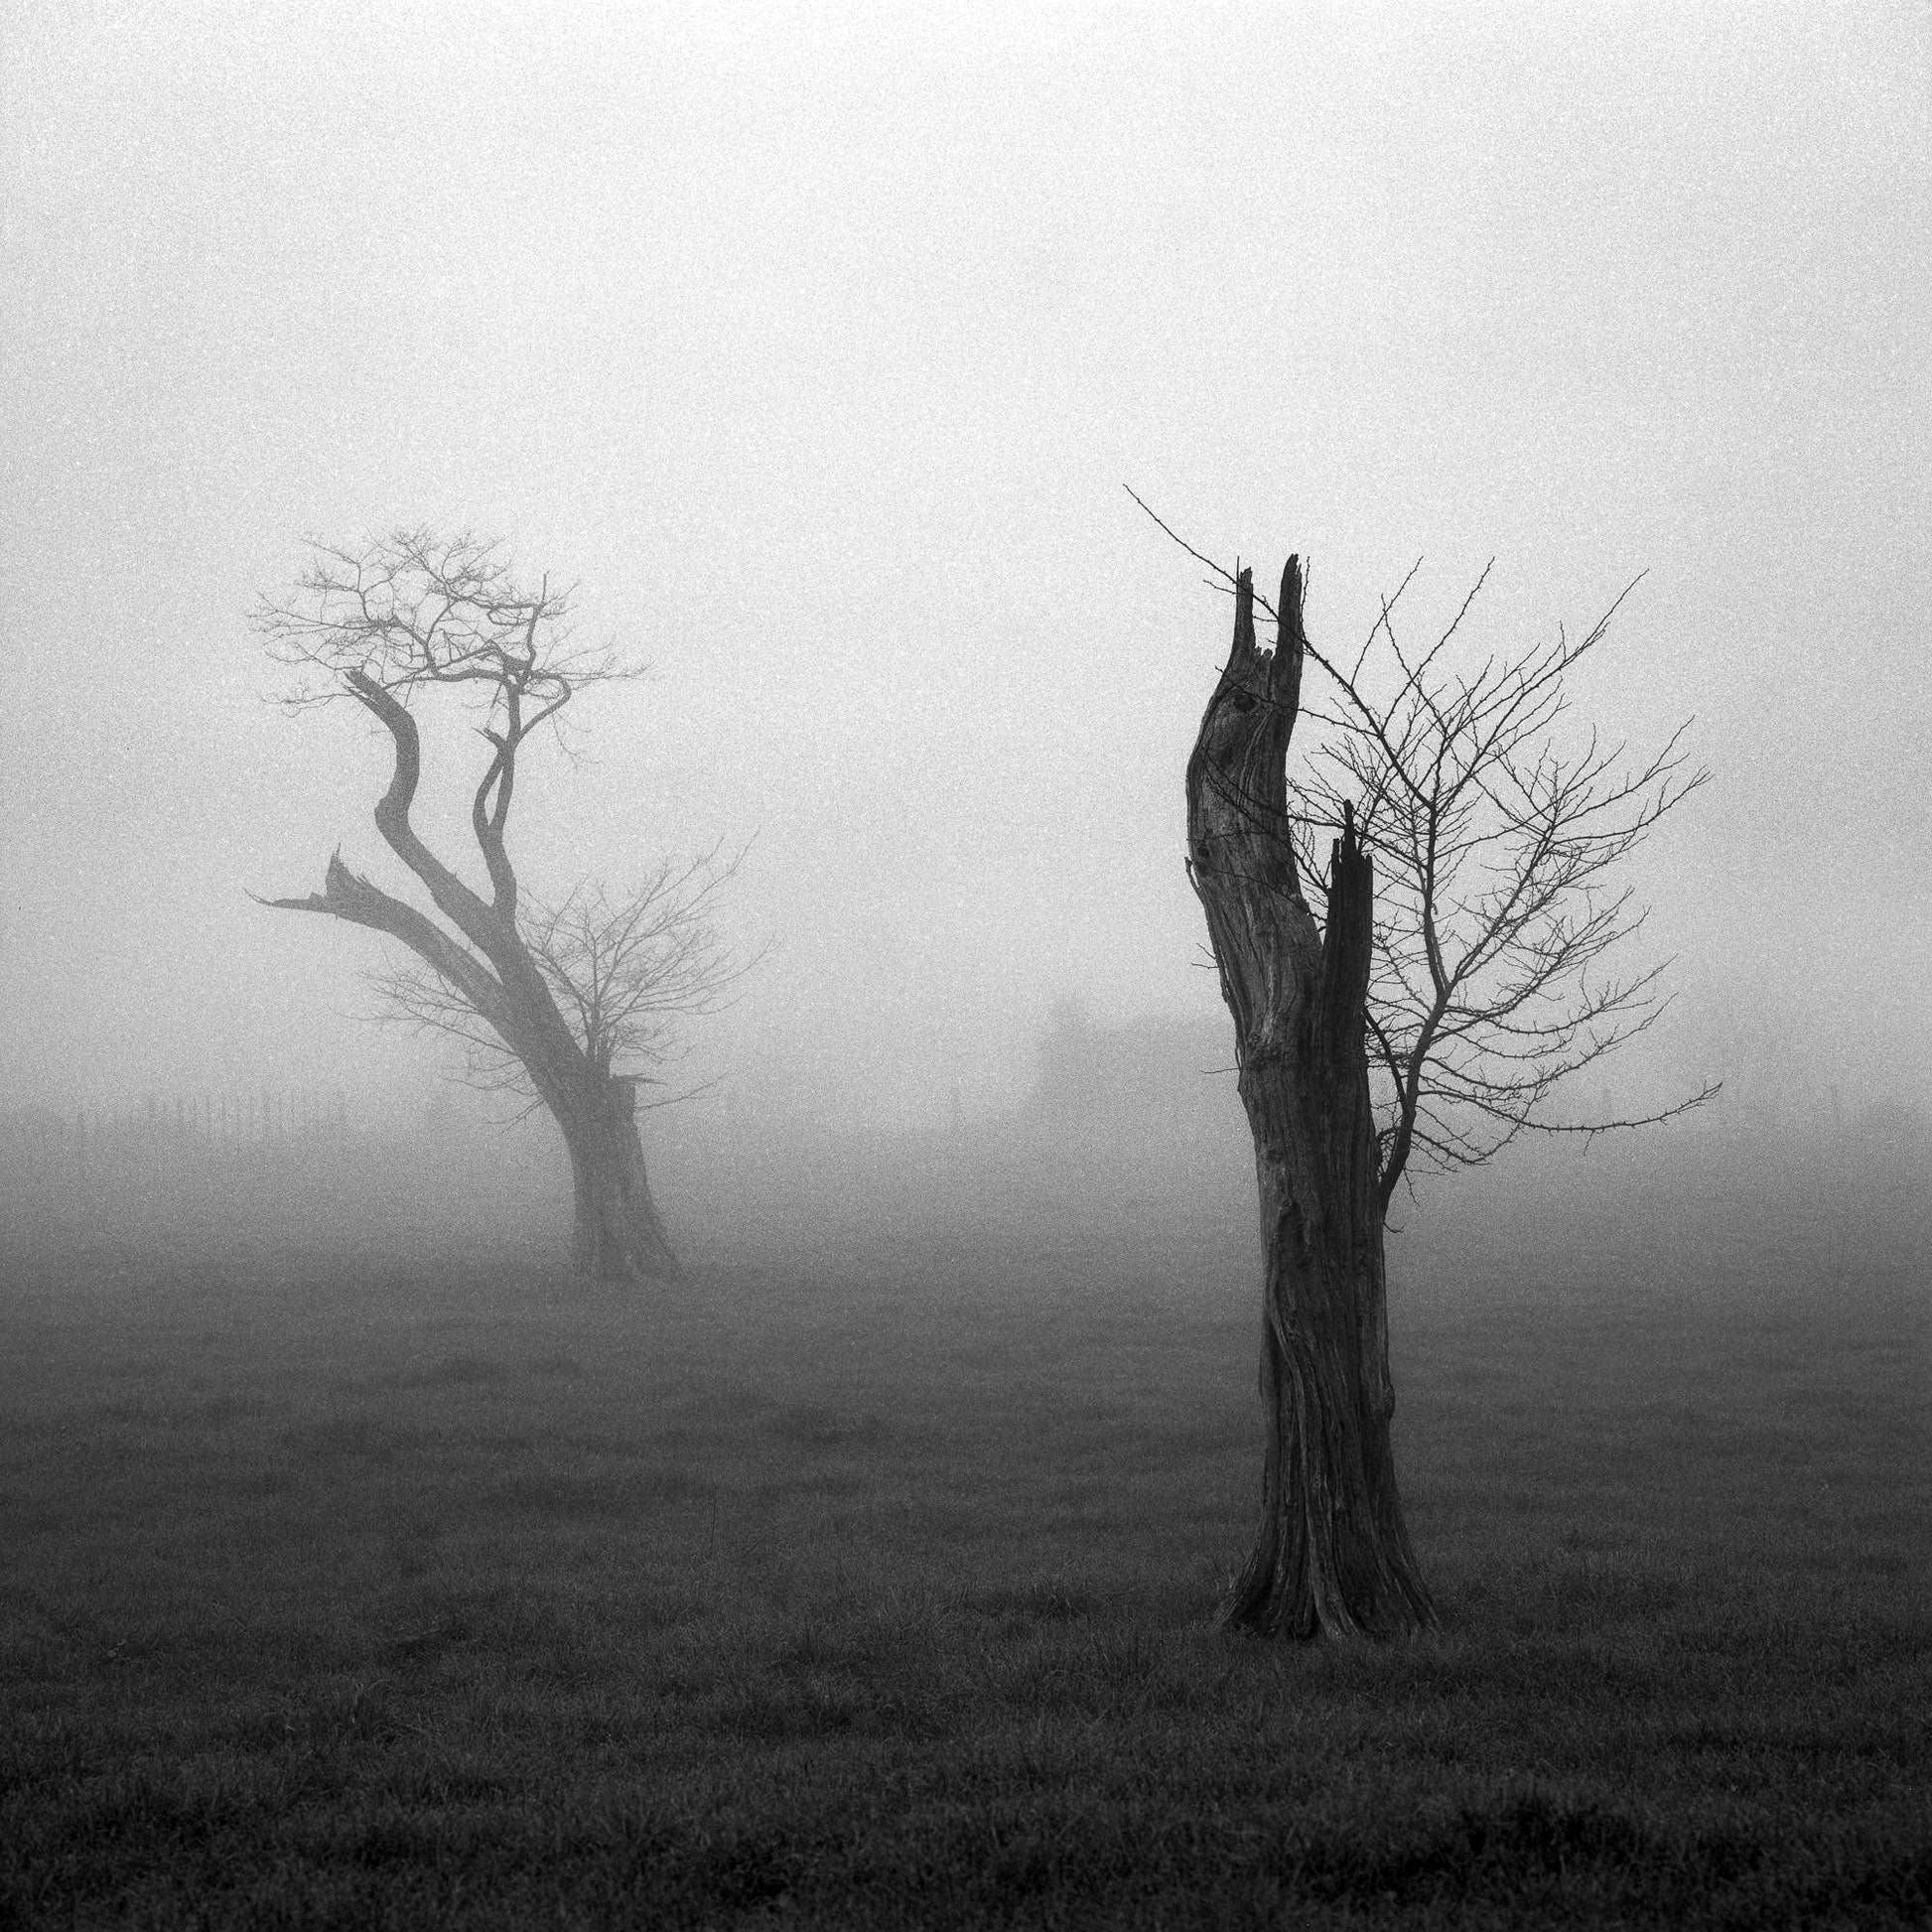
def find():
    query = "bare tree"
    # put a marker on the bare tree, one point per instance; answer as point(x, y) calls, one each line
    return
point(1434, 1029)
point(574, 1001)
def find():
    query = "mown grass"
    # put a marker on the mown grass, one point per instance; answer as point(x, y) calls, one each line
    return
point(446, 1598)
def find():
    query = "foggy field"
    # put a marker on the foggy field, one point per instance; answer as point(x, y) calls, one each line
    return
point(885, 1594)
point(981, 688)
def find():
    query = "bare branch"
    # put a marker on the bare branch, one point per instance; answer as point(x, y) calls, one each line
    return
point(625, 971)
point(348, 896)
point(1494, 834)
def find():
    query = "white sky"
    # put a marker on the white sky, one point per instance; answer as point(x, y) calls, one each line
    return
point(817, 343)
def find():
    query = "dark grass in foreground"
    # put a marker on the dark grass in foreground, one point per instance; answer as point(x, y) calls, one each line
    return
point(436, 1601)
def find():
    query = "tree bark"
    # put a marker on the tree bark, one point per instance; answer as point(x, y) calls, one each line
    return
point(617, 1234)
point(1333, 1554)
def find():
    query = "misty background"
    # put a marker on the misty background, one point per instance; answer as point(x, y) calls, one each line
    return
point(816, 344)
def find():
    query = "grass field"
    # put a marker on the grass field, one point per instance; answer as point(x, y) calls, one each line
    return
point(430, 1596)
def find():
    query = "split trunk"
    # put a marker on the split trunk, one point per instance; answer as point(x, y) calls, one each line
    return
point(1333, 1554)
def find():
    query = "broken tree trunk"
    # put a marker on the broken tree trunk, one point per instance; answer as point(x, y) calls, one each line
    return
point(1333, 1554)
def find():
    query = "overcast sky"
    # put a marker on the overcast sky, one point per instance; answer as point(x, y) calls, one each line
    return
point(818, 342)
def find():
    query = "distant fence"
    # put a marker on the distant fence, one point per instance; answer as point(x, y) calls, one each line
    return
point(289, 1166)
point(173, 1128)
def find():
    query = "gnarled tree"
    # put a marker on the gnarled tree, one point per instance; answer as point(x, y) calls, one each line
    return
point(563, 1000)
point(1433, 1027)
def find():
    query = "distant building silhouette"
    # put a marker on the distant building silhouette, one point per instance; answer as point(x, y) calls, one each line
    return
point(1161, 1074)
